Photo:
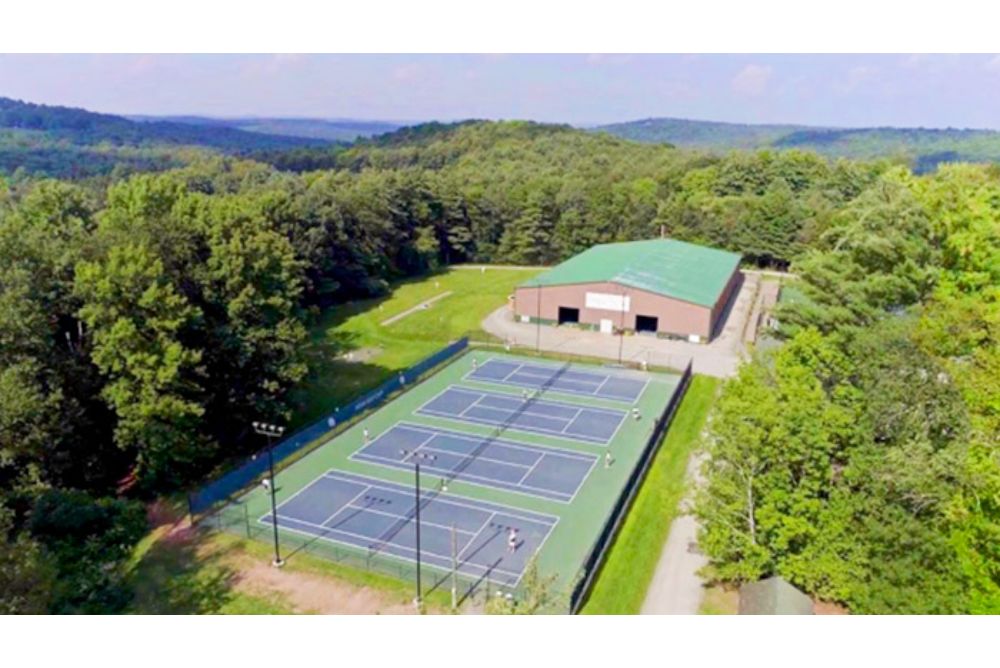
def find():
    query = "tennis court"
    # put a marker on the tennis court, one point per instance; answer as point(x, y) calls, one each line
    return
point(379, 517)
point(541, 416)
point(547, 462)
point(616, 387)
point(520, 467)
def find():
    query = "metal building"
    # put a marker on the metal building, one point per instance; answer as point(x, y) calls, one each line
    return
point(660, 286)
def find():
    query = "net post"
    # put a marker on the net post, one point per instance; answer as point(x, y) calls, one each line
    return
point(246, 518)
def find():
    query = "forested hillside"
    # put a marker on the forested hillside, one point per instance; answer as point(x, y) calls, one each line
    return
point(921, 148)
point(145, 323)
point(341, 130)
point(74, 143)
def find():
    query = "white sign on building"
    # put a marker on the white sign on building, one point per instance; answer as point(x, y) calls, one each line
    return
point(608, 302)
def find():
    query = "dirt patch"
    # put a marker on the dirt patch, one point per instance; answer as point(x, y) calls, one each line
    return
point(309, 593)
point(361, 355)
point(827, 608)
point(418, 307)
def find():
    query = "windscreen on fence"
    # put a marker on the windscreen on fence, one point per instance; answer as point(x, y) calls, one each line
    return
point(232, 482)
point(617, 514)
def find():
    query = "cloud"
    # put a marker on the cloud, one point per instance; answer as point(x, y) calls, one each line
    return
point(752, 79)
point(407, 72)
point(856, 76)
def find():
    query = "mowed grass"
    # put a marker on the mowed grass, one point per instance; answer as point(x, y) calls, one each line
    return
point(381, 351)
point(621, 585)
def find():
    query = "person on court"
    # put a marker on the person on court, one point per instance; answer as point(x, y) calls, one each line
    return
point(607, 460)
point(635, 413)
point(366, 434)
point(512, 540)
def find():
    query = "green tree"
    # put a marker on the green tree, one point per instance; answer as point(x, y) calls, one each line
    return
point(135, 317)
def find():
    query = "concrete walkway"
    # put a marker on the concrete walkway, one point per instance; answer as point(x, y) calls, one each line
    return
point(676, 588)
point(719, 358)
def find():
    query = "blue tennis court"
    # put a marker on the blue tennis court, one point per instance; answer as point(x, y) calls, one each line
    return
point(550, 473)
point(378, 517)
point(541, 416)
point(559, 379)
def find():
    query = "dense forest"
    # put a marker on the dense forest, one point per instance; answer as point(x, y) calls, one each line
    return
point(146, 320)
point(922, 148)
point(861, 460)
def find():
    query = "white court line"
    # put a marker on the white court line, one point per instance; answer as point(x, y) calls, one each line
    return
point(514, 445)
point(540, 451)
point(531, 470)
point(486, 524)
point(463, 476)
point(327, 530)
point(536, 402)
point(472, 405)
point(404, 559)
point(539, 518)
point(535, 518)
point(423, 522)
point(627, 375)
point(346, 505)
point(479, 458)
point(516, 369)
point(514, 427)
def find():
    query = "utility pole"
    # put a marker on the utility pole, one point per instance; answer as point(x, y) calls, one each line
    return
point(416, 457)
point(272, 431)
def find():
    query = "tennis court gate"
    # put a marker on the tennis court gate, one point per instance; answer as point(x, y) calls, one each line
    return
point(597, 553)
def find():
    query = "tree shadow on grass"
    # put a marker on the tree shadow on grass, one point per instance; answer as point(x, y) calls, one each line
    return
point(183, 572)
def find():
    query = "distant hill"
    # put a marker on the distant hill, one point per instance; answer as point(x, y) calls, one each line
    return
point(700, 134)
point(342, 130)
point(75, 143)
point(924, 148)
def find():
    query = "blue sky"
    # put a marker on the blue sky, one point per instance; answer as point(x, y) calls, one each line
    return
point(836, 90)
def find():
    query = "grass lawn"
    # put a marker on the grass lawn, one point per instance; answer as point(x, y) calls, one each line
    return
point(192, 574)
point(621, 585)
point(200, 572)
point(382, 350)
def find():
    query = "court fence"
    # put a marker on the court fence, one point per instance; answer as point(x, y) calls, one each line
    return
point(226, 486)
point(485, 341)
point(595, 558)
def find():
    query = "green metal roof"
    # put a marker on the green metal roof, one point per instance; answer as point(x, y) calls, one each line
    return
point(677, 269)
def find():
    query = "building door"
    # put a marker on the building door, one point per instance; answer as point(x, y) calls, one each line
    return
point(567, 314)
point(646, 323)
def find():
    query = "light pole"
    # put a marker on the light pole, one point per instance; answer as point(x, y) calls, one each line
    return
point(416, 457)
point(272, 431)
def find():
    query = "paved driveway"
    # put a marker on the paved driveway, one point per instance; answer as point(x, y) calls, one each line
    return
point(719, 358)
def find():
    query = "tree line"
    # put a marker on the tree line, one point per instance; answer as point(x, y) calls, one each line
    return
point(146, 320)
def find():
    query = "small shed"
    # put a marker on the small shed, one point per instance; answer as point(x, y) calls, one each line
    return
point(773, 596)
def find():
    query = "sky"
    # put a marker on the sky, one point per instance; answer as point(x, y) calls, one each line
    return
point(825, 90)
